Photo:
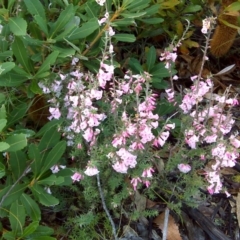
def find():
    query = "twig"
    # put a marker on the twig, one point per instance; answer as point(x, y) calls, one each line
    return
point(165, 226)
point(105, 208)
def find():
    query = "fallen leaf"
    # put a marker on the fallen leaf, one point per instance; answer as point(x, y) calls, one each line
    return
point(238, 208)
point(173, 231)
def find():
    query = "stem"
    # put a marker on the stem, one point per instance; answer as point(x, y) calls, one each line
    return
point(165, 226)
point(115, 15)
point(105, 207)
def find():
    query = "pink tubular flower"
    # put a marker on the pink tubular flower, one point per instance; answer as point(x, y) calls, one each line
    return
point(148, 172)
point(91, 171)
point(55, 113)
point(77, 177)
point(134, 182)
point(184, 168)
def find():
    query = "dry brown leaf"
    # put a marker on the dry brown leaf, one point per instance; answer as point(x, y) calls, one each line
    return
point(238, 208)
point(173, 231)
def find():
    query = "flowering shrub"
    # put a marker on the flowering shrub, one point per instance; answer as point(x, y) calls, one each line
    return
point(106, 123)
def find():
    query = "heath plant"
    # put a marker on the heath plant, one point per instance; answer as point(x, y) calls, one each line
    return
point(112, 130)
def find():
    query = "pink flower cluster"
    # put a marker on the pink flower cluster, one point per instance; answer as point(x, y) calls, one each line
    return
point(209, 125)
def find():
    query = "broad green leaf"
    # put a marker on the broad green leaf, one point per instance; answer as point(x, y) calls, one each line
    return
point(50, 125)
point(43, 197)
point(66, 174)
point(9, 236)
point(49, 139)
point(152, 20)
point(28, 132)
point(34, 87)
point(18, 26)
point(21, 54)
point(36, 157)
point(2, 170)
point(51, 180)
point(12, 80)
point(18, 113)
point(151, 58)
point(154, 8)
point(4, 146)
point(92, 9)
point(233, 7)
point(3, 123)
point(159, 71)
point(42, 231)
point(5, 55)
point(64, 52)
point(16, 142)
point(6, 67)
point(85, 30)
point(31, 207)
point(42, 24)
point(17, 217)
point(31, 228)
point(124, 37)
point(18, 163)
point(51, 58)
point(135, 65)
point(53, 156)
point(35, 8)
point(62, 20)
point(192, 8)
point(10, 194)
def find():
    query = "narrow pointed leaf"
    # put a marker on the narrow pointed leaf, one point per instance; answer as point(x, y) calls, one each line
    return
point(151, 58)
point(17, 217)
point(30, 229)
point(31, 207)
point(124, 37)
point(6, 67)
point(35, 8)
point(35, 156)
point(18, 163)
point(54, 156)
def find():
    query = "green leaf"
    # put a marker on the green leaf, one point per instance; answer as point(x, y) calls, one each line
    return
point(2, 170)
point(18, 163)
point(159, 71)
point(152, 20)
point(53, 156)
point(14, 194)
point(151, 58)
point(35, 8)
point(123, 22)
point(51, 58)
point(3, 114)
point(31, 228)
point(2, 98)
point(49, 139)
point(133, 15)
point(135, 65)
point(43, 197)
point(12, 80)
point(51, 180)
point(41, 232)
point(3, 123)
point(41, 22)
point(85, 30)
point(21, 54)
point(31, 207)
point(192, 8)
point(6, 67)
point(18, 26)
point(17, 217)
point(36, 157)
point(138, 5)
point(50, 125)
point(62, 20)
point(16, 142)
point(4, 146)
point(233, 7)
point(18, 113)
point(124, 37)
point(9, 236)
